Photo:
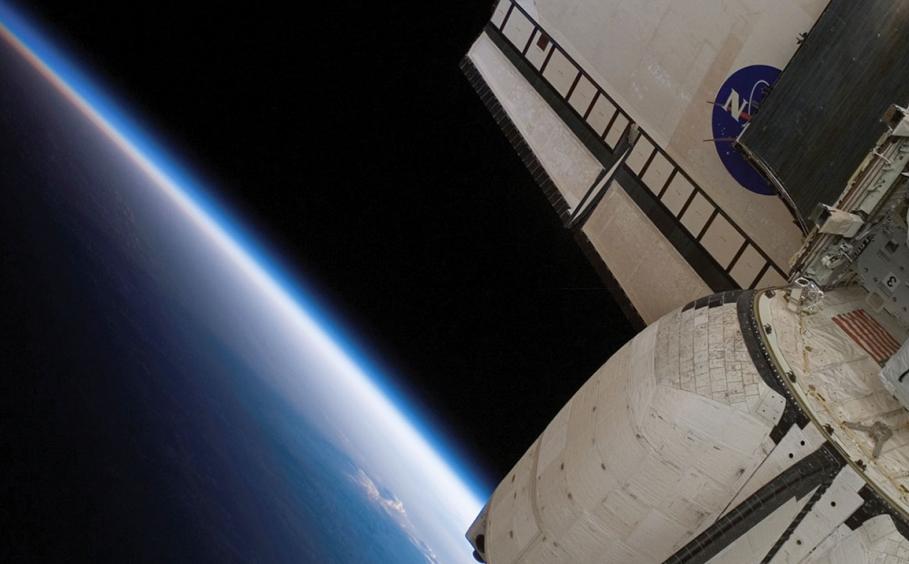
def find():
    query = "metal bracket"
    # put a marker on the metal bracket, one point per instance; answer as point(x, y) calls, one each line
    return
point(879, 432)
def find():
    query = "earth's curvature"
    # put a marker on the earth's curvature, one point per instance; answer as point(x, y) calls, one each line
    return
point(176, 399)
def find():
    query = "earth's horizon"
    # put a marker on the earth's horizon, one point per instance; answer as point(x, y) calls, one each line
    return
point(206, 412)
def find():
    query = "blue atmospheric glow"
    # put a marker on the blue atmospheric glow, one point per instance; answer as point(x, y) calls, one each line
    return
point(137, 134)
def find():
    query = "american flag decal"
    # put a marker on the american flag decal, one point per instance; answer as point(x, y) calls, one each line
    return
point(868, 334)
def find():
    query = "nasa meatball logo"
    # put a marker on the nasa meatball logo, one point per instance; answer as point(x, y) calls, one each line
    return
point(736, 102)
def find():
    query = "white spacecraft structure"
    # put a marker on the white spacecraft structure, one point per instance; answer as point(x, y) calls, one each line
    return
point(754, 152)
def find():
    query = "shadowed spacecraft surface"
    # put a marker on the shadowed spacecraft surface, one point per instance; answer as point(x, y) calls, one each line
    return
point(738, 172)
point(206, 410)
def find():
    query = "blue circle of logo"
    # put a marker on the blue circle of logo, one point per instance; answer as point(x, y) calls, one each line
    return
point(738, 99)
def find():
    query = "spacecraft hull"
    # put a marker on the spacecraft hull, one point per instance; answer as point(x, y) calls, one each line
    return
point(690, 445)
point(750, 425)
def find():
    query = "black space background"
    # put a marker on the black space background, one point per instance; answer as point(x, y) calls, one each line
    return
point(345, 134)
